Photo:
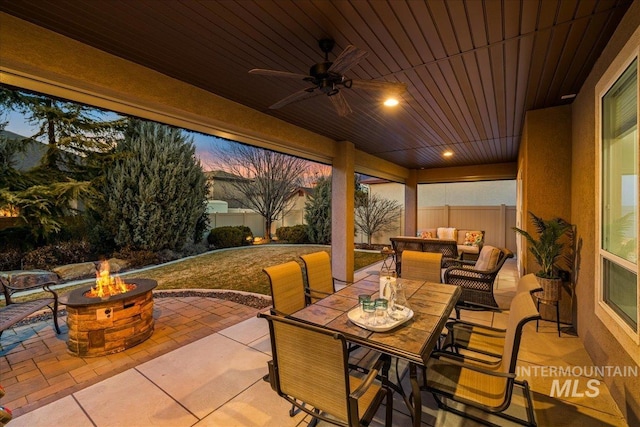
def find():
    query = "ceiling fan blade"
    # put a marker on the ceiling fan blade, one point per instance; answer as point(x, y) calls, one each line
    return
point(347, 59)
point(396, 88)
point(295, 97)
point(276, 73)
point(340, 103)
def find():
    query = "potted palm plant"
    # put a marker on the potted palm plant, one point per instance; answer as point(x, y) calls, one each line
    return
point(546, 249)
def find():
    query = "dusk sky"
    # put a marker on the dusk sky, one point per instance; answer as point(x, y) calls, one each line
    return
point(206, 146)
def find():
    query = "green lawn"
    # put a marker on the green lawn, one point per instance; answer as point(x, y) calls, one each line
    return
point(237, 269)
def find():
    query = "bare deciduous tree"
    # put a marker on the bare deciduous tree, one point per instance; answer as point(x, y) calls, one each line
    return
point(270, 179)
point(374, 214)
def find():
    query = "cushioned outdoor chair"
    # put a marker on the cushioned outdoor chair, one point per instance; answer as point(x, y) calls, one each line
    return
point(310, 370)
point(463, 335)
point(486, 385)
point(287, 289)
point(422, 266)
point(477, 279)
point(320, 280)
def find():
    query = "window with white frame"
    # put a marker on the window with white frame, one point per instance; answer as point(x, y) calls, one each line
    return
point(619, 199)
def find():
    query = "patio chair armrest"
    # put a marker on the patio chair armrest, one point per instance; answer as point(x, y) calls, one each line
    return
point(477, 306)
point(490, 331)
point(454, 359)
point(345, 282)
point(371, 377)
point(275, 312)
point(313, 293)
point(273, 378)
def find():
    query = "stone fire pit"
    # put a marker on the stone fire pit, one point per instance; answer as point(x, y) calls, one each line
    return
point(101, 326)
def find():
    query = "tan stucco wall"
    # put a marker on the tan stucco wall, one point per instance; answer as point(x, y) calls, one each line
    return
point(600, 342)
point(545, 162)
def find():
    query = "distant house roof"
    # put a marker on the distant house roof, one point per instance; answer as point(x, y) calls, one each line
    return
point(223, 176)
point(301, 191)
point(32, 154)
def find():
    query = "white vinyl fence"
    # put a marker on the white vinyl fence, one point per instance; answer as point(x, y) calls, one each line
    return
point(496, 221)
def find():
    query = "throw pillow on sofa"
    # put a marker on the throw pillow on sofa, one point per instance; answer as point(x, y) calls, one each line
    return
point(447, 233)
point(472, 238)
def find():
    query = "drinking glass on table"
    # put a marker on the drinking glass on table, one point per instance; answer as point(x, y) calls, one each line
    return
point(381, 305)
point(361, 299)
point(369, 311)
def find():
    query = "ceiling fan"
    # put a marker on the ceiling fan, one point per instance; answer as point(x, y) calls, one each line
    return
point(328, 78)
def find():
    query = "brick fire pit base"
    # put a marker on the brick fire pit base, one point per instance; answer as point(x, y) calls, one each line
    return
point(98, 327)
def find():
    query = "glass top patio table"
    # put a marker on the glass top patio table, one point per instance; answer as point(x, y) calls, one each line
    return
point(413, 341)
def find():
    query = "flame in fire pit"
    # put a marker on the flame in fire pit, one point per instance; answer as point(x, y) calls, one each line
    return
point(107, 285)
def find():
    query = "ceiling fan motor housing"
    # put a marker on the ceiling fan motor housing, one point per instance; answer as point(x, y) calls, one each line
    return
point(323, 79)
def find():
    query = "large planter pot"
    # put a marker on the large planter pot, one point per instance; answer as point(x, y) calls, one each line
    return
point(550, 290)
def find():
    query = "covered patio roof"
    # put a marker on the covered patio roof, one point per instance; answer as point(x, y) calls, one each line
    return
point(472, 68)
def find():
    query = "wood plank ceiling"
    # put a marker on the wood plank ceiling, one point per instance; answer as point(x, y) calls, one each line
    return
point(473, 68)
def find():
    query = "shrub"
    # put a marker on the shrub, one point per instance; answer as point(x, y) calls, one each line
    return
point(295, 234)
point(10, 259)
point(247, 235)
point(50, 256)
point(191, 249)
point(167, 255)
point(136, 257)
point(229, 237)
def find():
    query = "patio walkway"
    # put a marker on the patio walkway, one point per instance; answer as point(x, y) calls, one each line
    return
point(204, 364)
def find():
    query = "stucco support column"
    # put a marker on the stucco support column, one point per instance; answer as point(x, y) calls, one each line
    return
point(411, 204)
point(342, 211)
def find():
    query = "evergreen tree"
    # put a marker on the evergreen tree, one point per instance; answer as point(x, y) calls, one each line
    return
point(317, 212)
point(75, 138)
point(38, 205)
point(155, 195)
point(71, 131)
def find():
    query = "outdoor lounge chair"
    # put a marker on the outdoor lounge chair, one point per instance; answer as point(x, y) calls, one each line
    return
point(310, 369)
point(422, 266)
point(287, 289)
point(320, 281)
point(477, 279)
point(486, 385)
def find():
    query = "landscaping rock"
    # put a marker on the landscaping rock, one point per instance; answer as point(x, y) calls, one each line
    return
point(76, 271)
point(116, 265)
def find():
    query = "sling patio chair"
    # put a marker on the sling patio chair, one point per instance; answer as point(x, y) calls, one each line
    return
point(320, 280)
point(472, 380)
point(287, 289)
point(477, 278)
point(310, 370)
point(422, 266)
point(482, 339)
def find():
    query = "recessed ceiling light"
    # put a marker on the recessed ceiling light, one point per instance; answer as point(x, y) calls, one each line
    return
point(570, 96)
point(447, 153)
point(391, 102)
